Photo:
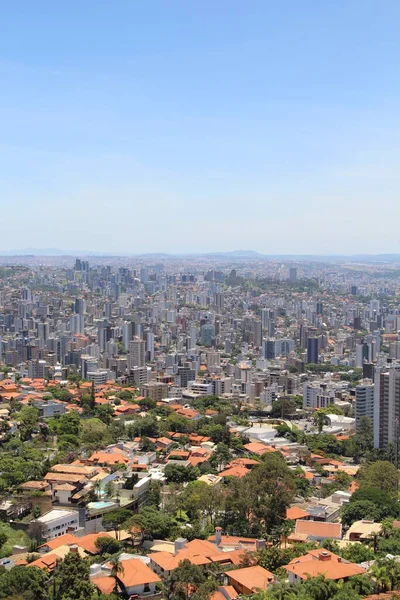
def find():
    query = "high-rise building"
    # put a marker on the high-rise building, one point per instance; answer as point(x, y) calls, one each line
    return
point(207, 334)
point(150, 345)
point(364, 404)
point(387, 406)
point(137, 353)
point(317, 394)
point(313, 350)
point(292, 274)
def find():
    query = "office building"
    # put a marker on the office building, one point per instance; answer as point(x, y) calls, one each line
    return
point(207, 334)
point(313, 350)
point(137, 353)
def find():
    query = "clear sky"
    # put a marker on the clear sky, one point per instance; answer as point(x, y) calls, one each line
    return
point(200, 125)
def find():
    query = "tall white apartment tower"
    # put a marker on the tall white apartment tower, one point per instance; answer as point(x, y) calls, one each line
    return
point(137, 353)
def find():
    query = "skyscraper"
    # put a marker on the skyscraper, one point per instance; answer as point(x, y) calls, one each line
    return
point(137, 353)
point(292, 274)
point(312, 350)
point(207, 334)
point(386, 406)
point(364, 405)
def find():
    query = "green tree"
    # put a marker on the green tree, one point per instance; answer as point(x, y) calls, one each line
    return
point(184, 578)
point(117, 569)
point(355, 511)
point(180, 473)
point(221, 455)
point(69, 423)
point(152, 523)
point(115, 519)
point(72, 578)
point(25, 583)
point(381, 474)
point(107, 545)
point(28, 418)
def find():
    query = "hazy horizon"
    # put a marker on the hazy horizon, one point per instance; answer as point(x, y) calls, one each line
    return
point(200, 127)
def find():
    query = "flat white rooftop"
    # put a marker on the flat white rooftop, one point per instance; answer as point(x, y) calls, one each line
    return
point(55, 514)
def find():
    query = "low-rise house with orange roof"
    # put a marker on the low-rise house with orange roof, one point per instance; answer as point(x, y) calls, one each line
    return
point(108, 459)
point(199, 552)
point(127, 409)
point(74, 479)
point(136, 578)
point(258, 448)
point(320, 562)
point(225, 592)
point(236, 471)
point(35, 486)
point(250, 580)
point(294, 513)
point(163, 443)
point(229, 542)
point(248, 463)
point(179, 455)
point(319, 530)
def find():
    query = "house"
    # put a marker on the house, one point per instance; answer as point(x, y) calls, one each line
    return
point(318, 530)
point(224, 592)
point(294, 513)
point(137, 579)
point(164, 443)
point(198, 552)
point(250, 580)
point(229, 542)
point(210, 479)
point(58, 521)
point(108, 459)
point(258, 448)
point(49, 561)
point(54, 479)
point(362, 530)
point(321, 562)
point(234, 472)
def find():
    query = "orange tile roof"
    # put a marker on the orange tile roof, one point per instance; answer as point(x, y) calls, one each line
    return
point(87, 542)
point(258, 448)
point(234, 472)
point(324, 563)
point(105, 584)
point(67, 538)
point(136, 573)
point(108, 458)
point(319, 529)
point(253, 578)
point(293, 513)
point(47, 562)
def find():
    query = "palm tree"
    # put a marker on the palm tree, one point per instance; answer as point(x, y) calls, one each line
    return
point(362, 584)
point(392, 570)
point(380, 574)
point(386, 527)
point(286, 529)
point(374, 540)
point(319, 588)
point(97, 488)
point(117, 569)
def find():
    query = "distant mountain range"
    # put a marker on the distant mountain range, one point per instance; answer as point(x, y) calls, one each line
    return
point(234, 254)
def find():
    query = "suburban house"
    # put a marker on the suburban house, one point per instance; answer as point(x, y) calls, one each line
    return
point(321, 562)
point(250, 580)
point(362, 530)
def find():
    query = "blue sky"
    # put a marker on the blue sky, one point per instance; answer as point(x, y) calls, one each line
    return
point(182, 125)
